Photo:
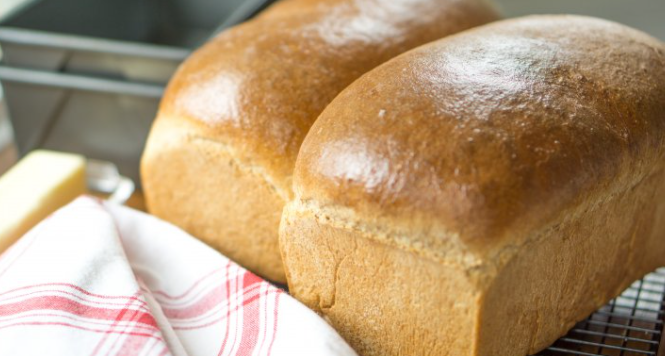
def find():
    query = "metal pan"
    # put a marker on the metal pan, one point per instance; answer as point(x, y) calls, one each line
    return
point(86, 76)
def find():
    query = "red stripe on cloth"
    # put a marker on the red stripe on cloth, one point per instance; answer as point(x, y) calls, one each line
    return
point(214, 298)
point(80, 320)
point(136, 315)
point(251, 322)
point(265, 319)
point(73, 286)
point(73, 326)
point(126, 328)
point(250, 279)
point(274, 328)
point(228, 316)
point(237, 300)
point(223, 317)
point(133, 345)
point(73, 307)
point(53, 292)
point(119, 316)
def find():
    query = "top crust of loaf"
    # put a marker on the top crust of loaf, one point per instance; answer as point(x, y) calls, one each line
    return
point(259, 86)
point(493, 132)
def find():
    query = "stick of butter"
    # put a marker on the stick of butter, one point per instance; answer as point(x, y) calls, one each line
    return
point(35, 187)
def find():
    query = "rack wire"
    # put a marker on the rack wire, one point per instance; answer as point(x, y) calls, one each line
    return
point(630, 325)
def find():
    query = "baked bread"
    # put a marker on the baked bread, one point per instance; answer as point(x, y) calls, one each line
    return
point(221, 153)
point(481, 194)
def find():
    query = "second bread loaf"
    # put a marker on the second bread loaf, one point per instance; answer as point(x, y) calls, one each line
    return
point(220, 155)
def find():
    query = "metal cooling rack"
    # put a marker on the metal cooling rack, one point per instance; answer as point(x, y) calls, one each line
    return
point(630, 325)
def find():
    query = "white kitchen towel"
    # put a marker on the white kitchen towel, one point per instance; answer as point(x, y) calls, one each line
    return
point(101, 279)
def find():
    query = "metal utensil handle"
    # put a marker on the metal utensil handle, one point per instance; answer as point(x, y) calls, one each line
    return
point(79, 82)
point(85, 44)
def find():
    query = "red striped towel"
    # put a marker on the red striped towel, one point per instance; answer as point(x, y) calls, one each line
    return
point(101, 279)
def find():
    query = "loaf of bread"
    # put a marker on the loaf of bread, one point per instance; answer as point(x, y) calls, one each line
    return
point(220, 156)
point(481, 194)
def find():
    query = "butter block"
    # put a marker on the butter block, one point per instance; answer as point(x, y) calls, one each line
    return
point(35, 187)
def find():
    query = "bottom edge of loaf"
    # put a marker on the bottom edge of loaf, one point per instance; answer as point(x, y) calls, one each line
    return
point(388, 301)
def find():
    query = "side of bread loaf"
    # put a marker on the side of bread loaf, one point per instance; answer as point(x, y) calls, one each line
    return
point(481, 194)
point(220, 156)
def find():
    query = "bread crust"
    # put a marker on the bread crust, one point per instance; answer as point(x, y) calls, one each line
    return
point(494, 130)
point(257, 88)
point(496, 187)
point(385, 299)
point(261, 85)
point(249, 200)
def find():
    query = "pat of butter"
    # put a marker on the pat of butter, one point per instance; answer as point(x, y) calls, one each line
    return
point(35, 187)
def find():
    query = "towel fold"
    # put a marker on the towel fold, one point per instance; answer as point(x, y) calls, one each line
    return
point(101, 279)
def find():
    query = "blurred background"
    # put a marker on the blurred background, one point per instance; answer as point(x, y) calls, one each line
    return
point(86, 75)
point(646, 15)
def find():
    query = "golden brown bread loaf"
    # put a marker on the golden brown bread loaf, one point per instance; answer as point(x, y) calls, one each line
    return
point(481, 194)
point(221, 153)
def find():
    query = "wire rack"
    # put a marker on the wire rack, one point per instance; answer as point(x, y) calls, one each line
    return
point(630, 325)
